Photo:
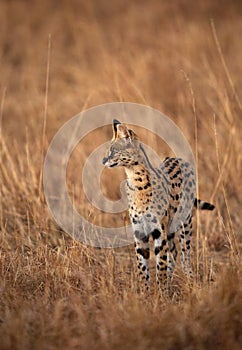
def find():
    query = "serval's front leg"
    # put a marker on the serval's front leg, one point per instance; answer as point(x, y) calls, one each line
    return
point(161, 254)
point(143, 255)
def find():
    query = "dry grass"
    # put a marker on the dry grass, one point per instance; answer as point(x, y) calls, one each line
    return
point(56, 293)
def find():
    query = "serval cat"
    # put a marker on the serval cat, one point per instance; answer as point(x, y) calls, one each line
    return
point(154, 200)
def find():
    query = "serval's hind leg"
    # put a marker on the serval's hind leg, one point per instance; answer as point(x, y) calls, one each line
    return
point(185, 234)
point(172, 255)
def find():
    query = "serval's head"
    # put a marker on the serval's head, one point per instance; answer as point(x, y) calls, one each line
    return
point(123, 148)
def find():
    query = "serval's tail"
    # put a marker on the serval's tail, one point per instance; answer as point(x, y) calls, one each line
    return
point(203, 205)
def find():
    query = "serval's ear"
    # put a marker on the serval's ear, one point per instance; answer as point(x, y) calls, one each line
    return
point(115, 124)
point(133, 135)
point(123, 132)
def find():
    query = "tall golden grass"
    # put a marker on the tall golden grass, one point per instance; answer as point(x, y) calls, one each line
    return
point(60, 57)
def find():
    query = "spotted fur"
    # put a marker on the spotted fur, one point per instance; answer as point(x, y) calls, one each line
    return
point(156, 198)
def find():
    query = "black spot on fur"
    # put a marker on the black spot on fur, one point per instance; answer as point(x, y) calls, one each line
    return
point(144, 252)
point(170, 236)
point(157, 250)
point(156, 234)
point(174, 177)
point(172, 248)
point(147, 185)
point(145, 239)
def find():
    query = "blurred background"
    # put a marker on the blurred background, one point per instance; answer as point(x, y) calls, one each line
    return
point(60, 57)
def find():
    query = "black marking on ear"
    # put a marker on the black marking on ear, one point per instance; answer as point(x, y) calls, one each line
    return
point(115, 123)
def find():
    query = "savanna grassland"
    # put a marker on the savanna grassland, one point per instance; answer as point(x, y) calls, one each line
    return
point(58, 58)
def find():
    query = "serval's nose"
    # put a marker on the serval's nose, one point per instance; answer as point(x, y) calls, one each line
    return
point(105, 159)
